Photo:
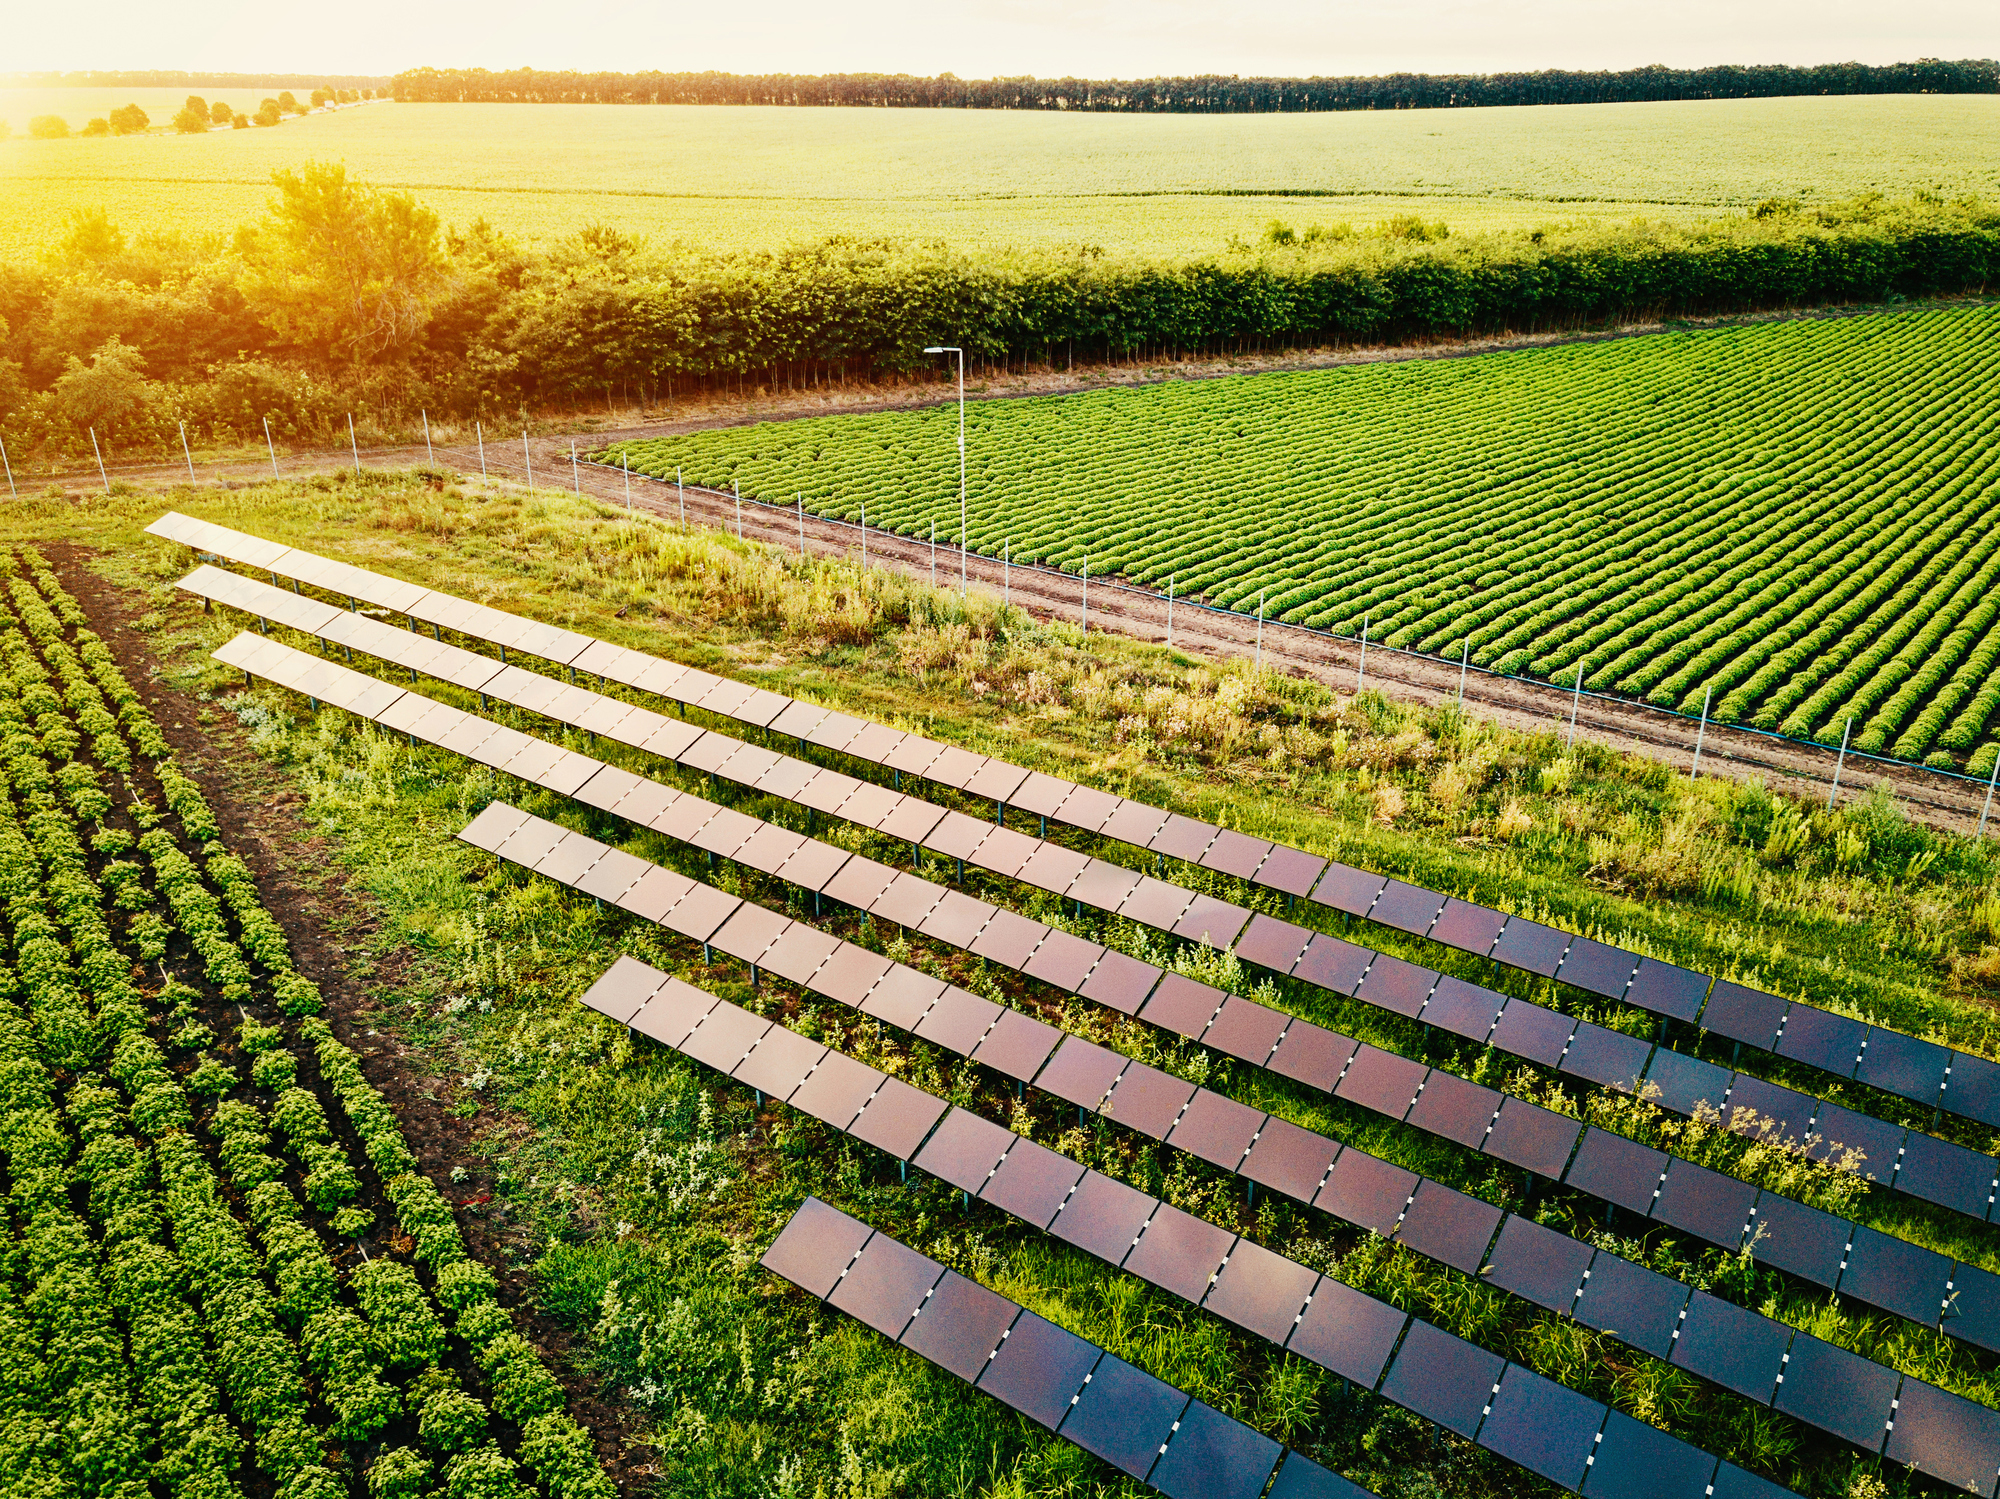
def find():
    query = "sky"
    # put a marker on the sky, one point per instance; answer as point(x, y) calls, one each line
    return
point(989, 38)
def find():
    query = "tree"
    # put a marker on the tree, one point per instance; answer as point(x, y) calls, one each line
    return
point(289, 104)
point(221, 113)
point(320, 96)
point(346, 272)
point(239, 122)
point(129, 120)
point(13, 389)
point(48, 128)
point(107, 394)
point(268, 113)
point(98, 126)
point(193, 117)
point(92, 238)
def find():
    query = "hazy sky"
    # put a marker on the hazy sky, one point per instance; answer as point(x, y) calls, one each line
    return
point(984, 38)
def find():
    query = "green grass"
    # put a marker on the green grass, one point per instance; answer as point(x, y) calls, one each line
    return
point(652, 1186)
point(1173, 186)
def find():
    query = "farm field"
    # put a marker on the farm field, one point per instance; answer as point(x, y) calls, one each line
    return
point(1173, 186)
point(78, 106)
point(648, 1184)
point(1788, 521)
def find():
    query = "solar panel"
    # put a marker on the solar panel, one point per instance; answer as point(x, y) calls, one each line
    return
point(1705, 1203)
point(1605, 1056)
point(1876, 1139)
point(613, 875)
point(1156, 904)
point(725, 1036)
point(779, 1062)
point(1633, 1303)
point(1973, 1088)
point(1838, 1391)
point(957, 836)
point(1348, 889)
point(623, 988)
point(1271, 943)
point(885, 1285)
point(1949, 1175)
point(1234, 853)
point(494, 826)
point(1217, 1129)
point(1739, 1350)
point(1732, 1482)
point(908, 899)
point(1261, 1291)
point(1945, 1436)
point(1291, 871)
point(1183, 838)
point(1443, 1378)
point(910, 820)
point(994, 780)
point(964, 1149)
point(1120, 983)
point(1974, 1310)
point(1182, 1005)
point(1179, 1252)
point(1451, 1107)
point(1618, 1170)
point(959, 1325)
point(1104, 887)
point(1052, 867)
point(1597, 968)
point(1789, 1110)
point(814, 866)
point(956, 919)
point(1801, 1239)
point(1004, 851)
point(1822, 1039)
point(1637, 1461)
point(799, 952)
point(1530, 945)
point(815, 1246)
point(897, 1118)
point(1747, 1015)
point(656, 893)
point(1081, 1072)
point(721, 833)
point(1664, 989)
point(1408, 908)
point(1017, 1045)
point(837, 1089)
point(1392, 984)
point(1382, 1081)
point(1686, 1082)
point(828, 791)
point(1148, 1100)
point(1366, 1190)
point(673, 1012)
point(1903, 1065)
point(1008, 939)
point(1462, 1009)
point(1347, 1332)
point(1032, 1182)
point(1896, 1275)
point(1312, 1054)
point(1287, 1159)
point(903, 997)
point(1302, 1478)
point(1537, 1263)
point(1123, 1415)
point(1038, 1369)
point(767, 849)
point(1103, 1217)
point(958, 1020)
point(1467, 927)
point(750, 931)
point(1063, 960)
point(1542, 1426)
point(570, 859)
point(1211, 1456)
point(1449, 1226)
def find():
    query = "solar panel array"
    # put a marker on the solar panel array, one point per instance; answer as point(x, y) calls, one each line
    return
point(1912, 1161)
point(1140, 1425)
point(1962, 1083)
point(1499, 1405)
point(1859, 1261)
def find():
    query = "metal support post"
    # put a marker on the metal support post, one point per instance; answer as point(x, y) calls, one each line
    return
point(353, 446)
point(1700, 733)
point(430, 456)
point(1834, 790)
point(1464, 656)
point(270, 447)
point(185, 453)
point(1575, 702)
point(101, 473)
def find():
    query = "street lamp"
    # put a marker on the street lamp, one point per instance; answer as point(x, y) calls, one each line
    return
point(940, 349)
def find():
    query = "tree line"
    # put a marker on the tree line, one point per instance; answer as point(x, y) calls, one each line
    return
point(1202, 95)
point(350, 298)
point(169, 78)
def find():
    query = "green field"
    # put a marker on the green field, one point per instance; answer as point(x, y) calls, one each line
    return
point(1169, 185)
point(1795, 518)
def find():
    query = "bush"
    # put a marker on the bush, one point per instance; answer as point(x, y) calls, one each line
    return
point(451, 1421)
point(128, 120)
point(268, 113)
point(221, 114)
point(96, 127)
point(193, 118)
point(47, 128)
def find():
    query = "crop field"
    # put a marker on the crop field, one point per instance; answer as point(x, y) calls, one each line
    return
point(1792, 522)
point(1179, 185)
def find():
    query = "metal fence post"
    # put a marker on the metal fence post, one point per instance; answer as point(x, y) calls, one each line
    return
point(527, 458)
point(1171, 578)
point(1701, 733)
point(4, 459)
point(737, 490)
point(626, 460)
point(1575, 702)
point(185, 453)
point(1086, 595)
point(100, 461)
point(479, 432)
point(1006, 572)
point(575, 473)
point(1257, 663)
point(270, 447)
point(430, 456)
point(1464, 655)
point(1834, 790)
point(1989, 795)
point(1361, 670)
point(802, 522)
point(353, 446)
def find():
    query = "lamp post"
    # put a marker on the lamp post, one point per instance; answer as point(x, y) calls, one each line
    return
point(960, 353)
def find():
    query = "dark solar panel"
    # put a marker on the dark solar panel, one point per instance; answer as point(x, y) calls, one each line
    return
point(799, 953)
point(1347, 1332)
point(1949, 1175)
point(1333, 964)
point(1822, 1039)
point(1461, 1008)
point(1088, 808)
point(1408, 908)
point(1271, 943)
point(1008, 939)
point(1542, 1426)
point(1217, 1129)
point(1211, 1456)
point(1235, 853)
point(1120, 983)
point(1032, 1182)
point(1896, 1275)
point(1532, 1137)
point(885, 1286)
point(1104, 887)
point(1844, 1129)
point(1526, 1029)
point(1946, 1436)
point(1312, 1054)
point(1262, 1291)
point(1397, 986)
point(1637, 1461)
point(815, 1246)
point(1903, 1065)
point(749, 931)
point(1618, 1170)
point(779, 1063)
point(725, 1036)
point(1063, 960)
point(957, 835)
point(1348, 889)
point(1663, 989)
point(1705, 1203)
point(1288, 1159)
point(1801, 1239)
point(624, 987)
point(1605, 1056)
point(1597, 967)
point(1148, 1100)
point(669, 1015)
point(1103, 1217)
point(1052, 867)
point(1290, 870)
point(1467, 927)
point(1537, 1263)
point(907, 901)
point(1124, 1416)
point(1530, 945)
point(1179, 1252)
point(1366, 1190)
point(1157, 904)
point(1302, 1478)
point(1838, 1391)
point(1452, 1107)
point(1134, 823)
point(1212, 922)
point(1182, 1005)
point(1382, 1081)
point(1081, 1072)
point(837, 1089)
point(860, 882)
point(1245, 1029)
point(1788, 1111)
point(956, 919)
point(1685, 1082)
point(1038, 1369)
point(902, 997)
point(1739, 1350)
point(1747, 1015)
point(1732, 1482)
point(1449, 1226)
point(850, 973)
point(1183, 837)
point(1973, 1089)
point(1442, 1377)
point(897, 1118)
point(1017, 1045)
point(1974, 1312)
point(964, 1149)
point(697, 913)
point(1632, 1303)
point(958, 1020)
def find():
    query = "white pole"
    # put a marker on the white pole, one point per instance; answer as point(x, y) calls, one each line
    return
point(626, 460)
point(961, 473)
point(1006, 571)
point(1575, 702)
point(575, 474)
point(479, 432)
point(100, 460)
point(1170, 609)
point(802, 521)
point(4, 459)
point(733, 489)
point(1834, 790)
point(864, 536)
point(527, 458)
point(682, 490)
point(1258, 663)
point(270, 447)
point(933, 552)
point(1989, 796)
point(1361, 671)
point(185, 453)
point(353, 446)
point(1700, 733)
point(429, 455)
point(1464, 655)
point(1086, 595)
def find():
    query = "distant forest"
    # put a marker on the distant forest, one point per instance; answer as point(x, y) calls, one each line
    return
point(1207, 95)
point(160, 78)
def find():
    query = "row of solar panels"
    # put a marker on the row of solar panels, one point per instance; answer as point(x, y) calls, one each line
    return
point(1563, 1436)
point(1931, 1169)
point(1961, 1082)
point(1859, 1261)
point(1748, 1354)
point(1369, 1191)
